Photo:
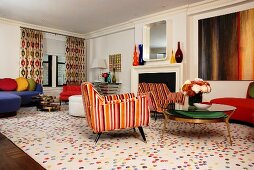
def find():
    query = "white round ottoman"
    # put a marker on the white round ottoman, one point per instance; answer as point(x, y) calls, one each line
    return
point(76, 107)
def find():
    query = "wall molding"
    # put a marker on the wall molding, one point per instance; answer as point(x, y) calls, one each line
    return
point(110, 30)
point(42, 28)
point(209, 5)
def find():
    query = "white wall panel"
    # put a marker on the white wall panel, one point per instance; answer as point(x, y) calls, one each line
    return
point(9, 50)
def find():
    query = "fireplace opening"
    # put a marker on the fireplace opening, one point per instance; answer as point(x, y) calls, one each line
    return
point(168, 78)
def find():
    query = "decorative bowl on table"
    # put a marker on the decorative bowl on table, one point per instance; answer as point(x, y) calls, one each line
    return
point(202, 106)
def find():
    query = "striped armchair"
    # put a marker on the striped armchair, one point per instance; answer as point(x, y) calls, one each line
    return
point(107, 113)
point(160, 96)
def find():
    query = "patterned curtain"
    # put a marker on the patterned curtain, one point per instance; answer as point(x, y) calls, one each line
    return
point(75, 61)
point(31, 54)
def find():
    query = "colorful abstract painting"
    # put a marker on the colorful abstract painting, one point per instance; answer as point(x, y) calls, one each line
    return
point(226, 47)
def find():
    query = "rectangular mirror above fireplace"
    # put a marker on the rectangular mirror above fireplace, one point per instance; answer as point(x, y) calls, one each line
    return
point(155, 41)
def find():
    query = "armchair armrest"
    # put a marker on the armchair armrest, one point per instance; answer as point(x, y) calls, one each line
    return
point(176, 97)
point(64, 87)
point(152, 101)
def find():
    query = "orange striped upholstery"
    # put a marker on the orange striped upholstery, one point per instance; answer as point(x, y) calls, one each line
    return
point(160, 95)
point(106, 113)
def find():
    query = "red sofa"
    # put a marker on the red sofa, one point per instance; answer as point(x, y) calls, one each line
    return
point(69, 90)
point(245, 106)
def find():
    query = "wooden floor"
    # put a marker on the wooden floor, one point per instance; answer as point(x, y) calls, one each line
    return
point(12, 157)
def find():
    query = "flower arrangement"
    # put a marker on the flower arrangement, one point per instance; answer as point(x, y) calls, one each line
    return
point(191, 88)
point(105, 75)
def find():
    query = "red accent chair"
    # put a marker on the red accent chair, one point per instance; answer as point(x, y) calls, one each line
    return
point(245, 107)
point(69, 90)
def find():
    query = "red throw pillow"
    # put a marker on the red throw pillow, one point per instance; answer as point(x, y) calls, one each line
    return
point(8, 84)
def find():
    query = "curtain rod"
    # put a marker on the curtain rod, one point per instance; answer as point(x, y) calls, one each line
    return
point(48, 32)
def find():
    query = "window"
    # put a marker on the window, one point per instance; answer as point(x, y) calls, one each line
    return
point(53, 70)
point(60, 71)
point(47, 70)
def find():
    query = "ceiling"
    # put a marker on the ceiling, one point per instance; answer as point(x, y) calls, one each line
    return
point(82, 16)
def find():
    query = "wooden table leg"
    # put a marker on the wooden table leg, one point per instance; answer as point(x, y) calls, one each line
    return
point(164, 126)
point(228, 128)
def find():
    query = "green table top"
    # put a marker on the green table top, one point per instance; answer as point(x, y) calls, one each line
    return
point(199, 114)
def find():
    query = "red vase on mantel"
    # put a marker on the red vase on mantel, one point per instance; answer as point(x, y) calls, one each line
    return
point(179, 54)
point(135, 57)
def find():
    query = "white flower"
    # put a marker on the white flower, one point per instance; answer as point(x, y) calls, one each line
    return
point(187, 82)
point(204, 89)
point(196, 88)
point(198, 79)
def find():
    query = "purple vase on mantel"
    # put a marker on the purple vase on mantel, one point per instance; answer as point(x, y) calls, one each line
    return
point(179, 54)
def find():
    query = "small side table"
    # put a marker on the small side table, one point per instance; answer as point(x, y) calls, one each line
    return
point(107, 88)
point(46, 103)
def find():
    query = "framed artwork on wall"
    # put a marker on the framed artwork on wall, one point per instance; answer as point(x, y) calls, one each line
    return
point(226, 47)
point(115, 62)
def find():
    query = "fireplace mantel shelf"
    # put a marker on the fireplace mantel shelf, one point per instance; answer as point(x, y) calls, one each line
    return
point(156, 68)
point(157, 65)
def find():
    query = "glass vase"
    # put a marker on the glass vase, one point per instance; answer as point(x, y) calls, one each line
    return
point(135, 57)
point(195, 99)
point(179, 54)
point(114, 76)
point(141, 60)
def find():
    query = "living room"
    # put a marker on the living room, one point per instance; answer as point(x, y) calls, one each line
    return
point(120, 38)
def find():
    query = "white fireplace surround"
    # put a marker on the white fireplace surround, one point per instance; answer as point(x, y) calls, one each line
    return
point(161, 68)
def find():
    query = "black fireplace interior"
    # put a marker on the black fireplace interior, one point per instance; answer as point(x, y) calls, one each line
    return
point(168, 78)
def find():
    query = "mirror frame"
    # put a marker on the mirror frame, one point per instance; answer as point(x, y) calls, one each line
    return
point(146, 41)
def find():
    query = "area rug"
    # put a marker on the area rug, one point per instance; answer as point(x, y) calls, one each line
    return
point(57, 140)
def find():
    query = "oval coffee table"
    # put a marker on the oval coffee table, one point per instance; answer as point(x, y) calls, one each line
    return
point(173, 114)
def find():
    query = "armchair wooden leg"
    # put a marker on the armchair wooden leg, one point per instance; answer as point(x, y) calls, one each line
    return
point(142, 133)
point(97, 138)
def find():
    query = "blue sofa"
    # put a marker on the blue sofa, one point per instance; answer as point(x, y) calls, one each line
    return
point(10, 101)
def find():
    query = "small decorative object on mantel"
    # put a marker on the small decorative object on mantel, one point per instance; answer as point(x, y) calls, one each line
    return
point(194, 89)
point(179, 54)
point(135, 57)
point(172, 58)
point(141, 60)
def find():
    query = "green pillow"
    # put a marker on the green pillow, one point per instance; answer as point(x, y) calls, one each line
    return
point(31, 85)
point(251, 90)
